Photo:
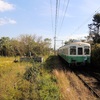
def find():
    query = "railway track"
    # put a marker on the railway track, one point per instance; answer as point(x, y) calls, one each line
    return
point(91, 82)
point(97, 75)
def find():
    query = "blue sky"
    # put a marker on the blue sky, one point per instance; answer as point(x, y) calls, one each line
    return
point(34, 17)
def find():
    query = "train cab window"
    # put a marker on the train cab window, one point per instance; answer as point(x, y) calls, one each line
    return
point(73, 50)
point(86, 50)
point(80, 51)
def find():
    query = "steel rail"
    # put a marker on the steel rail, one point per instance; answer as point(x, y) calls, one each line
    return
point(89, 87)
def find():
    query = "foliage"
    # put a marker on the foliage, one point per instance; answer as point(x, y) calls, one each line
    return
point(4, 46)
point(96, 54)
point(11, 80)
point(68, 91)
point(26, 81)
point(94, 28)
point(45, 84)
point(23, 45)
point(35, 81)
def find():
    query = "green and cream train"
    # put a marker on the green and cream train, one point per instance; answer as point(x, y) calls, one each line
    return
point(76, 53)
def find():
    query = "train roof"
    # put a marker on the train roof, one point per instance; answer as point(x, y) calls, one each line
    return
point(75, 43)
point(80, 43)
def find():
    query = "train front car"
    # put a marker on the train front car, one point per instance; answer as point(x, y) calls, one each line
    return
point(79, 53)
point(76, 53)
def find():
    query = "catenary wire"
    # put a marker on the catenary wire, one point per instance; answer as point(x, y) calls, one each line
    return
point(52, 24)
point(64, 14)
point(97, 10)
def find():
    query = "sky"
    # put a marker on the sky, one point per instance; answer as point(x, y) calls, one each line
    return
point(38, 17)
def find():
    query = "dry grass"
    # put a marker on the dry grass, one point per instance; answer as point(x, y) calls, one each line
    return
point(82, 92)
point(67, 92)
point(14, 87)
point(10, 77)
point(71, 87)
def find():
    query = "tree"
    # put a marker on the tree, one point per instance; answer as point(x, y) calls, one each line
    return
point(96, 22)
point(94, 28)
point(24, 45)
point(47, 42)
point(15, 47)
point(4, 46)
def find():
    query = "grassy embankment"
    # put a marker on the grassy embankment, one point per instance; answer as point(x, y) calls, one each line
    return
point(26, 81)
point(70, 87)
point(35, 81)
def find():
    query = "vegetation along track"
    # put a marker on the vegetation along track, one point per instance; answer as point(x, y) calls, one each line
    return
point(81, 92)
point(91, 81)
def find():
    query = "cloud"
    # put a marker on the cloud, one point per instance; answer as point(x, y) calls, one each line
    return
point(4, 21)
point(5, 6)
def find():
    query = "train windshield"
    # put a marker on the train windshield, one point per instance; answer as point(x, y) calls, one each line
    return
point(73, 50)
point(80, 51)
point(86, 50)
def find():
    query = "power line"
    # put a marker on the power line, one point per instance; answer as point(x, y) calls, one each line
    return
point(97, 10)
point(51, 15)
point(57, 9)
point(56, 17)
point(64, 13)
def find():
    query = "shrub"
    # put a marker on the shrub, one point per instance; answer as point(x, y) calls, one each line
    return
point(43, 84)
point(96, 54)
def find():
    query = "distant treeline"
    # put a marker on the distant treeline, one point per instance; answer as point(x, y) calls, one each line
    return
point(25, 45)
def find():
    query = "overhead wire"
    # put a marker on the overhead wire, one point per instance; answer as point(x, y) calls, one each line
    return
point(57, 11)
point(62, 10)
point(52, 24)
point(56, 22)
point(97, 10)
point(64, 13)
point(58, 8)
point(56, 16)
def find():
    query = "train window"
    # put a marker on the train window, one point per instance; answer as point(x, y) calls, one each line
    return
point(73, 50)
point(80, 51)
point(86, 50)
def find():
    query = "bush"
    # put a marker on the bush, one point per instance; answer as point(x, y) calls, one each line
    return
point(96, 54)
point(43, 84)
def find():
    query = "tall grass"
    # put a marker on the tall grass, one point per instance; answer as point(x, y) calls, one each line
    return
point(36, 81)
point(45, 87)
point(26, 81)
point(11, 78)
point(71, 88)
point(82, 91)
point(67, 92)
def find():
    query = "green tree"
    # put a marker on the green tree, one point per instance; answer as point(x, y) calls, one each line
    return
point(27, 43)
point(95, 28)
point(47, 42)
point(4, 46)
point(15, 47)
point(24, 45)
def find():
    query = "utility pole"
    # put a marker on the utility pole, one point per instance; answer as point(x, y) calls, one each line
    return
point(55, 44)
point(56, 19)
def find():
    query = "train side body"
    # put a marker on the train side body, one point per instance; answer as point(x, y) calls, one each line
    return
point(76, 52)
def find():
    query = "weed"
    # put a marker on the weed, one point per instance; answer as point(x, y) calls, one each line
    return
point(45, 84)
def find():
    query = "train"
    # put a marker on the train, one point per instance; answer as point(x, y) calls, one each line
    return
point(76, 53)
